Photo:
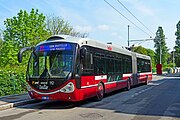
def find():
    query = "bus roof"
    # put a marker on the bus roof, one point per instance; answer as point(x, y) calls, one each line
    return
point(142, 56)
point(92, 43)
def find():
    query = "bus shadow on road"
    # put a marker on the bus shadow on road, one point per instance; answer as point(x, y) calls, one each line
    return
point(56, 104)
point(160, 101)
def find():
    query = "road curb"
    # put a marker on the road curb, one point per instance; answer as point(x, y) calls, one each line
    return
point(1, 97)
point(11, 105)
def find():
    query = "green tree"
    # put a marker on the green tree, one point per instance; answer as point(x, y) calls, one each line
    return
point(177, 45)
point(151, 53)
point(57, 25)
point(25, 29)
point(170, 59)
point(140, 50)
point(161, 51)
point(1, 42)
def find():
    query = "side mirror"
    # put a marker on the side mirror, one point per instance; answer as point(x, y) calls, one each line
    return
point(83, 52)
point(21, 53)
point(78, 81)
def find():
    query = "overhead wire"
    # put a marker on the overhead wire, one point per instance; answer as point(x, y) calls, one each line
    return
point(126, 18)
point(135, 17)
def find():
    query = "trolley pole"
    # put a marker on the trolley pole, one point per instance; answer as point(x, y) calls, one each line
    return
point(128, 35)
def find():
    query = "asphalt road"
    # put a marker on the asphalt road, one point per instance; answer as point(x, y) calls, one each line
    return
point(159, 100)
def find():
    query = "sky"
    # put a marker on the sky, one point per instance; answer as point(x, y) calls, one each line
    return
point(102, 22)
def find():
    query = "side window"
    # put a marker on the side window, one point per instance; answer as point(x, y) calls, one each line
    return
point(110, 66)
point(117, 66)
point(147, 66)
point(87, 64)
point(99, 65)
point(111, 69)
point(124, 65)
point(129, 65)
point(138, 65)
point(118, 69)
point(143, 65)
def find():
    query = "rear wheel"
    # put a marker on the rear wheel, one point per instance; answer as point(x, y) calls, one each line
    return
point(100, 92)
point(128, 87)
point(146, 80)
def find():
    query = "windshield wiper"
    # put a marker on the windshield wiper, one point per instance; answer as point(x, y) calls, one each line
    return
point(45, 74)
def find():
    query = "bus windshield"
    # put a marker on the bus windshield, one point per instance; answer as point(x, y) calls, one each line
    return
point(54, 60)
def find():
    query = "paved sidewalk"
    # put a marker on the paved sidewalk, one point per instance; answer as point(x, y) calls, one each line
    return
point(11, 101)
point(158, 77)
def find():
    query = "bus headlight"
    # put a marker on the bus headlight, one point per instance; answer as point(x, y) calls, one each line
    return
point(68, 88)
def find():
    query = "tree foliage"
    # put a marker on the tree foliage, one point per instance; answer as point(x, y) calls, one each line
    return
point(25, 29)
point(1, 42)
point(140, 50)
point(177, 45)
point(160, 44)
point(151, 53)
point(12, 80)
point(57, 25)
point(170, 59)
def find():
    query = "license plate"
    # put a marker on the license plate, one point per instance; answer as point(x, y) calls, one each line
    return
point(45, 98)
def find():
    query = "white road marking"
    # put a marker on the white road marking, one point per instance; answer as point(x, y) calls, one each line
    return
point(144, 90)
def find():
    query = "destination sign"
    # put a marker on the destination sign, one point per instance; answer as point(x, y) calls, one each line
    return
point(54, 47)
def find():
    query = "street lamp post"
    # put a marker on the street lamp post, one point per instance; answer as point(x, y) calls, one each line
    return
point(128, 35)
point(173, 59)
point(160, 51)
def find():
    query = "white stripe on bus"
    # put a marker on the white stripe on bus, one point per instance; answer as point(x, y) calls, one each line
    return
point(100, 77)
point(104, 83)
point(145, 73)
point(46, 93)
point(127, 75)
point(89, 86)
point(115, 82)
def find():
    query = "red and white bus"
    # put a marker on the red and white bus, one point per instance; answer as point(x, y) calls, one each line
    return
point(72, 69)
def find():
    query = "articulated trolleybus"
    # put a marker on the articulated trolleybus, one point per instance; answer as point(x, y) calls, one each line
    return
point(67, 68)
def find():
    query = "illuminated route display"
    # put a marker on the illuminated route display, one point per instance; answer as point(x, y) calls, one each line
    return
point(54, 47)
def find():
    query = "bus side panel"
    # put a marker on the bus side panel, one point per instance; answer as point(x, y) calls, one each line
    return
point(121, 84)
point(110, 86)
point(144, 76)
point(89, 92)
point(150, 77)
point(88, 86)
point(87, 81)
point(116, 85)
